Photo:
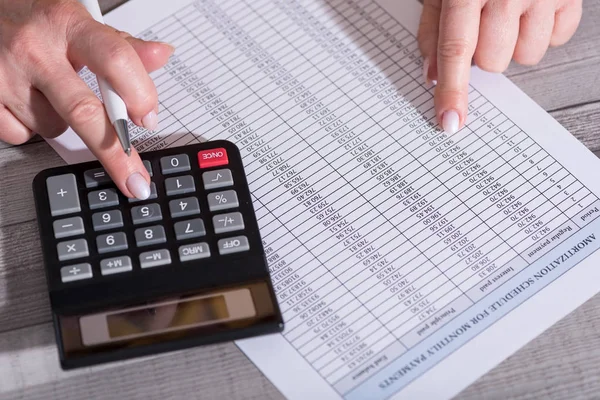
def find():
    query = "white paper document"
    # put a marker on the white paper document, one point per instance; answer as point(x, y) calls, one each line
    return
point(407, 262)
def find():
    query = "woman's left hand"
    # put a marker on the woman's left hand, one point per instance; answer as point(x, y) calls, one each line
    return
point(454, 33)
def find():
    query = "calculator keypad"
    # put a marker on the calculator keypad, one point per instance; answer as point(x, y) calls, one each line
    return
point(185, 204)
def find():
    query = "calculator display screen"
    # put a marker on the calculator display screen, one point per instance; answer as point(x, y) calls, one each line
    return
point(197, 317)
point(167, 316)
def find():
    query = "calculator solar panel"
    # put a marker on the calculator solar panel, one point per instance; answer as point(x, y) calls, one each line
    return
point(184, 267)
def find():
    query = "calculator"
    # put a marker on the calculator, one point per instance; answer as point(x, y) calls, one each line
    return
point(184, 267)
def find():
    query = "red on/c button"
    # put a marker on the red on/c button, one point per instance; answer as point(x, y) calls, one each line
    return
point(212, 158)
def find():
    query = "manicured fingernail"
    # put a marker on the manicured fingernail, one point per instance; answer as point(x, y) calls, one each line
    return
point(169, 45)
point(426, 71)
point(150, 121)
point(138, 186)
point(434, 82)
point(450, 121)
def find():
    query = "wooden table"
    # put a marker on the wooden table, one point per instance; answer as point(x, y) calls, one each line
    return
point(564, 362)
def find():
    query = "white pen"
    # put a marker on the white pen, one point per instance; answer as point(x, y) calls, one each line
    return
point(113, 103)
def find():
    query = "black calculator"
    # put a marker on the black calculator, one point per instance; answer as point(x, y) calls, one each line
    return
point(182, 268)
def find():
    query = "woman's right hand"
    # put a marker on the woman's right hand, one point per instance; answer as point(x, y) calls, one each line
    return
point(43, 44)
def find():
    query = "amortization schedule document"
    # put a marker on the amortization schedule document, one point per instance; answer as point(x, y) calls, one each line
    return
point(407, 262)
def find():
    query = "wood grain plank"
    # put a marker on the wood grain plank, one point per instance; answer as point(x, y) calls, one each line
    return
point(35, 139)
point(562, 363)
point(583, 122)
point(23, 290)
point(107, 5)
point(564, 85)
point(210, 372)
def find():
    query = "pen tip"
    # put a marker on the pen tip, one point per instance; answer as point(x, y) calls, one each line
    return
point(123, 134)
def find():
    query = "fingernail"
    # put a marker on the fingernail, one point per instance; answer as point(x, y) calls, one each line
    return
point(150, 121)
point(426, 70)
point(138, 186)
point(169, 45)
point(450, 121)
point(434, 82)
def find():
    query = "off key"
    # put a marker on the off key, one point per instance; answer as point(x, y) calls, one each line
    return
point(212, 158)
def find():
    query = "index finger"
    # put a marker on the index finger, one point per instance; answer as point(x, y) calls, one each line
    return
point(459, 29)
point(84, 112)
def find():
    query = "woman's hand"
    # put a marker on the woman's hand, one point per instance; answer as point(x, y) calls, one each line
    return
point(455, 33)
point(43, 43)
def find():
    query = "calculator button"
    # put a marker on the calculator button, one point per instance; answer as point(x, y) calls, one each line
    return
point(212, 158)
point(153, 194)
point(233, 245)
point(194, 251)
point(103, 198)
point(223, 200)
point(72, 249)
point(228, 222)
point(147, 213)
point(96, 177)
point(189, 229)
point(150, 235)
point(111, 242)
point(183, 207)
point(180, 185)
point(148, 167)
point(68, 227)
point(63, 195)
point(155, 258)
point(107, 220)
point(75, 272)
point(115, 265)
point(217, 179)
point(174, 164)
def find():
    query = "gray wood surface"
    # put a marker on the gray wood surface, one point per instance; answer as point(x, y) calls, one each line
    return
point(562, 363)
